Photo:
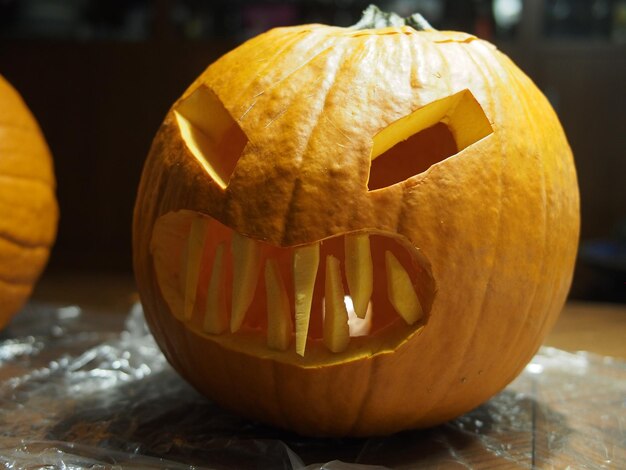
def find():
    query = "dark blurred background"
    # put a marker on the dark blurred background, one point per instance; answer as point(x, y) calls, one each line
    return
point(100, 75)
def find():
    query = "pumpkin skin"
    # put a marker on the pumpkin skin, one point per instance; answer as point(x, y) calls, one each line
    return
point(28, 207)
point(495, 225)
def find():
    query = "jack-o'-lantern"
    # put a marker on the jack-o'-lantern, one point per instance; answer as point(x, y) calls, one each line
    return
point(354, 231)
point(28, 208)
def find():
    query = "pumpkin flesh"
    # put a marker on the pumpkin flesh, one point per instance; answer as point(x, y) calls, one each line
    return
point(178, 257)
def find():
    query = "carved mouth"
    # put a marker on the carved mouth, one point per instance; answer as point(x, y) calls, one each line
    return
point(355, 293)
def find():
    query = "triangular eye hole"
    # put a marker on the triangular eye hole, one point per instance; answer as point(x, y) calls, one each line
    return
point(432, 133)
point(211, 134)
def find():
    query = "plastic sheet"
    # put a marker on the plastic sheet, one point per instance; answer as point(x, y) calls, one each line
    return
point(88, 390)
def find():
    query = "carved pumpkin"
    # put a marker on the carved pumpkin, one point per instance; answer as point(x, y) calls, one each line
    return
point(28, 208)
point(354, 231)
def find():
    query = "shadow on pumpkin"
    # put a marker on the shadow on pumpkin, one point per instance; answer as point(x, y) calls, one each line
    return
point(161, 416)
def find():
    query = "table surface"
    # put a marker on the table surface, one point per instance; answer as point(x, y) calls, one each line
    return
point(582, 326)
point(572, 419)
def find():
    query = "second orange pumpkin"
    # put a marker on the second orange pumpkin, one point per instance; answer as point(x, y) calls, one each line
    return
point(28, 207)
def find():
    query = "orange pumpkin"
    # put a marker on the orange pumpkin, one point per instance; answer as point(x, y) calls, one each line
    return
point(354, 231)
point(28, 208)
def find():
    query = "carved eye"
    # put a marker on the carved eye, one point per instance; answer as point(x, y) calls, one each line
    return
point(211, 134)
point(430, 134)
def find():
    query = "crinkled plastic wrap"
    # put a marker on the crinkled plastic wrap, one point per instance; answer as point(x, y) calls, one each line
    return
point(90, 390)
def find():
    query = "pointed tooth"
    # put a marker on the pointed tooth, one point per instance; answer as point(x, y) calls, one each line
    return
point(336, 330)
point(359, 271)
point(305, 263)
point(279, 325)
point(246, 267)
point(192, 262)
point(215, 314)
point(400, 290)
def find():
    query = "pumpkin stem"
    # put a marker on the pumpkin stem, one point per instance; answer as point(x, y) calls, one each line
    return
point(373, 18)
